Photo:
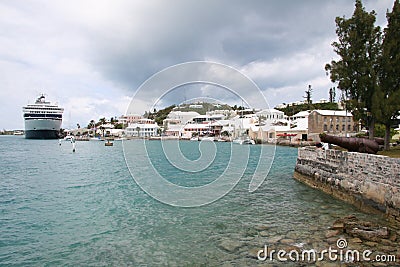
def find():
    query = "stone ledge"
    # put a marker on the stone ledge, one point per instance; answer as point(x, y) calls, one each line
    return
point(369, 182)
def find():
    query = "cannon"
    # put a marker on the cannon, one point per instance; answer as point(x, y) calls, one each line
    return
point(352, 144)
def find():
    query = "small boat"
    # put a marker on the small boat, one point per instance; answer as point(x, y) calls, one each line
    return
point(96, 139)
point(194, 139)
point(68, 138)
point(246, 141)
point(108, 143)
point(207, 138)
point(18, 132)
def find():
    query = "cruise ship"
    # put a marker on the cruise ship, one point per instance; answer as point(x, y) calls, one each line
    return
point(42, 119)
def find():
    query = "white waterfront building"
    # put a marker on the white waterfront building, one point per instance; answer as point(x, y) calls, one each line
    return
point(271, 114)
point(142, 128)
point(179, 118)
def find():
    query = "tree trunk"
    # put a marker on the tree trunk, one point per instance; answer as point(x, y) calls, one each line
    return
point(371, 128)
point(387, 137)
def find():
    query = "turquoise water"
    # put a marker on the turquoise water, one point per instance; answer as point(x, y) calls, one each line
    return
point(77, 209)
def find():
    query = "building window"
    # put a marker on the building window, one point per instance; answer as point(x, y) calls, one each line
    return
point(348, 127)
point(343, 127)
point(324, 119)
point(325, 127)
point(337, 127)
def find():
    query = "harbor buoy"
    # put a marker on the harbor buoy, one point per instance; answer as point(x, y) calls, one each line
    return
point(108, 143)
point(73, 144)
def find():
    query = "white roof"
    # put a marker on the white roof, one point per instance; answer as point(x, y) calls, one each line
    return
point(222, 122)
point(201, 116)
point(265, 128)
point(197, 126)
point(174, 127)
point(270, 111)
point(281, 128)
point(142, 125)
point(301, 124)
point(333, 112)
point(301, 114)
point(183, 113)
point(245, 123)
point(254, 128)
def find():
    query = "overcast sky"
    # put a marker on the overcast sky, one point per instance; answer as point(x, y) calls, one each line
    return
point(91, 56)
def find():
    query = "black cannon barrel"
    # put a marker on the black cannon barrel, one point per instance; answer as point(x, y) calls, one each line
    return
point(352, 144)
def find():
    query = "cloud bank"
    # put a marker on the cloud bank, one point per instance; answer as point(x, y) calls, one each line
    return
point(91, 56)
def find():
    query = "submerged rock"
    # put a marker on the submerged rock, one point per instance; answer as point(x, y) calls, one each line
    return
point(332, 233)
point(337, 225)
point(370, 233)
point(363, 230)
point(264, 233)
point(287, 241)
point(230, 245)
point(355, 240)
point(253, 253)
point(274, 239)
point(261, 227)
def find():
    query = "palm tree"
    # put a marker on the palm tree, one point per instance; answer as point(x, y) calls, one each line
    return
point(138, 130)
point(102, 121)
point(91, 124)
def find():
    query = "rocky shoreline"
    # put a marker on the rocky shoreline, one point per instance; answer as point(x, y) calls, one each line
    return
point(360, 235)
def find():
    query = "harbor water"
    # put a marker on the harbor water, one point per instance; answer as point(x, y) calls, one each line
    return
point(60, 208)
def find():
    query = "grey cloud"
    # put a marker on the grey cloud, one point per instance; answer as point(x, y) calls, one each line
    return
point(104, 49)
point(228, 31)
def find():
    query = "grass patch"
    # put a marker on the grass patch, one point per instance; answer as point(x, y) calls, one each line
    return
point(394, 152)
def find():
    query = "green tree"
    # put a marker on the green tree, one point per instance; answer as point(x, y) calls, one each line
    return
point(91, 124)
point(102, 121)
point(380, 131)
point(358, 47)
point(119, 126)
point(386, 100)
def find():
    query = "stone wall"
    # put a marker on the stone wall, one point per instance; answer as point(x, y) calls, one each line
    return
point(370, 182)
